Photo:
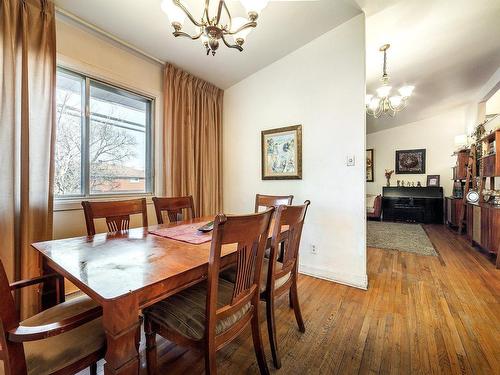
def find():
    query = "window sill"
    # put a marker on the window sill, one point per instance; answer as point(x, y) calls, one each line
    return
point(71, 204)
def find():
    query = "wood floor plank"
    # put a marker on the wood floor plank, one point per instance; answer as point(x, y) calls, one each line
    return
point(420, 315)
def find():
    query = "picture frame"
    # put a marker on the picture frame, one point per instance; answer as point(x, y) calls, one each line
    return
point(433, 180)
point(370, 176)
point(281, 153)
point(410, 161)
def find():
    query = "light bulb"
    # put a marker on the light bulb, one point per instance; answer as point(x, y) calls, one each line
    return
point(237, 22)
point(406, 91)
point(175, 14)
point(395, 100)
point(374, 103)
point(383, 91)
point(254, 6)
point(368, 98)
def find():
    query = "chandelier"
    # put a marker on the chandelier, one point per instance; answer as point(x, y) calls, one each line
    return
point(382, 103)
point(210, 28)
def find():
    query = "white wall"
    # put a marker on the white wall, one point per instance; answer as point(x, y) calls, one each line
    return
point(321, 86)
point(85, 52)
point(435, 134)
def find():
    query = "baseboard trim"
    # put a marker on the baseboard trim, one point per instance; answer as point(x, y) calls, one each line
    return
point(355, 281)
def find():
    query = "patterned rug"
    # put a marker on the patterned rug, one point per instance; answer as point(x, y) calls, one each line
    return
point(398, 236)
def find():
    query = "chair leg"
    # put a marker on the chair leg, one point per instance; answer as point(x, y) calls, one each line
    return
point(93, 368)
point(271, 329)
point(257, 344)
point(138, 334)
point(151, 355)
point(210, 360)
point(296, 307)
point(290, 301)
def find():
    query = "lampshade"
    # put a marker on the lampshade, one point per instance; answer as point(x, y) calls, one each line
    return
point(174, 13)
point(254, 5)
point(374, 103)
point(368, 98)
point(406, 91)
point(383, 91)
point(236, 24)
point(395, 100)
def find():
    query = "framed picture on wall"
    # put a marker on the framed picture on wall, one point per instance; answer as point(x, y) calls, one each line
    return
point(282, 153)
point(433, 180)
point(369, 165)
point(410, 161)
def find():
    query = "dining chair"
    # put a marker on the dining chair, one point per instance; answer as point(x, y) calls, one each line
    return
point(266, 201)
point(63, 339)
point(174, 207)
point(116, 213)
point(279, 277)
point(211, 314)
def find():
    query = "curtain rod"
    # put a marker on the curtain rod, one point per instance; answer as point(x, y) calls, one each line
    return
point(64, 13)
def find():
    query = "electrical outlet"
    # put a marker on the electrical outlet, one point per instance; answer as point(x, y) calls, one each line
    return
point(314, 250)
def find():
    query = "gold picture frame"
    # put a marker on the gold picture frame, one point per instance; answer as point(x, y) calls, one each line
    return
point(281, 153)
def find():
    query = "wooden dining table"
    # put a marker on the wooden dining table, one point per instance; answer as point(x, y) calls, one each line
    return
point(125, 272)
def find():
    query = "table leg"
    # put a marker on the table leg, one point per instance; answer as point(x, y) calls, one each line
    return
point(121, 321)
point(52, 289)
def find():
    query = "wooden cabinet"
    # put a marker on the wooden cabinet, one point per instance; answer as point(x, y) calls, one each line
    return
point(491, 158)
point(484, 227)
point(453, 209)
point(460, 169)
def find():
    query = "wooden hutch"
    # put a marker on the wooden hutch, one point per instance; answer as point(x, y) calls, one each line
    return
point(483, 218)
point(454, 203)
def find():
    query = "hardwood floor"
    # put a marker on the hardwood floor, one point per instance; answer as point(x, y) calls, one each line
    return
point(420, 315)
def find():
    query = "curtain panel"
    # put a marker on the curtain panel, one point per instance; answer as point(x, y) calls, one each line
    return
point(27, 121)
point(192, 151)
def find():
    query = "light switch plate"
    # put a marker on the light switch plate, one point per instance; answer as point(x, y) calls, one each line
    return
point(351, 161)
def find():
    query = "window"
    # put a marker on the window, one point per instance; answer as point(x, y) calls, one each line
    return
point(103, 143)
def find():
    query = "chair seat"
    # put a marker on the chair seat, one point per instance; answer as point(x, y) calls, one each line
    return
point(54, 353)
point(185, 312)
point(230, 275)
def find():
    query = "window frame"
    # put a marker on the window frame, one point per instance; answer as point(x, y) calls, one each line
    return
point(85, 134)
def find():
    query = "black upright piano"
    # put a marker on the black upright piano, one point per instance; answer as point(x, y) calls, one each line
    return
point(413, 204)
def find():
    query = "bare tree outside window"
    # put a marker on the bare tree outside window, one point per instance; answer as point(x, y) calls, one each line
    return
point(115, 153)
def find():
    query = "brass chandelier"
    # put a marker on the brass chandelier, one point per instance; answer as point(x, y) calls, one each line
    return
point(382, 103)
point(210, 28)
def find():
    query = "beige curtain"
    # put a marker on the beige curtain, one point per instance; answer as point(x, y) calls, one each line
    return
point(193, 140)
point(27, 94)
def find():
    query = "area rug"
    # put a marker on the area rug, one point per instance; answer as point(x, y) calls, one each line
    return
point(398, 236)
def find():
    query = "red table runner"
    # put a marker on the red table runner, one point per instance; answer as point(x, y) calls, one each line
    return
point(185, 232)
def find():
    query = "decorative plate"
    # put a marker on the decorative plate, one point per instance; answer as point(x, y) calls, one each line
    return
point(472, 196)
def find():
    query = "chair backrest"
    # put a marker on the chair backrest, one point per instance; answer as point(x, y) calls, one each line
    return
point(11, 353)
point(293, 217)
point(174, 207)
point(249, 233)
point(272, 201)
point(116, 213)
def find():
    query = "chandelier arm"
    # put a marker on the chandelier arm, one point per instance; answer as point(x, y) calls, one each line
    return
point(186, 35)
point(235, 46)
point(230, 22)
point(219, 11)
point(189, 15)
point(205, 12)
point(245, 26)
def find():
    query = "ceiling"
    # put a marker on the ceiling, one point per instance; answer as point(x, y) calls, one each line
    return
point(283, 27)
point(448, 49)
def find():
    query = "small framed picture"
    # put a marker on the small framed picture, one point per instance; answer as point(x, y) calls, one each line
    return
point(433, 180)
point(369, 165)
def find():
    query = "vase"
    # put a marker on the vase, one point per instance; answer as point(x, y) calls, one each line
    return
point(388, 182)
